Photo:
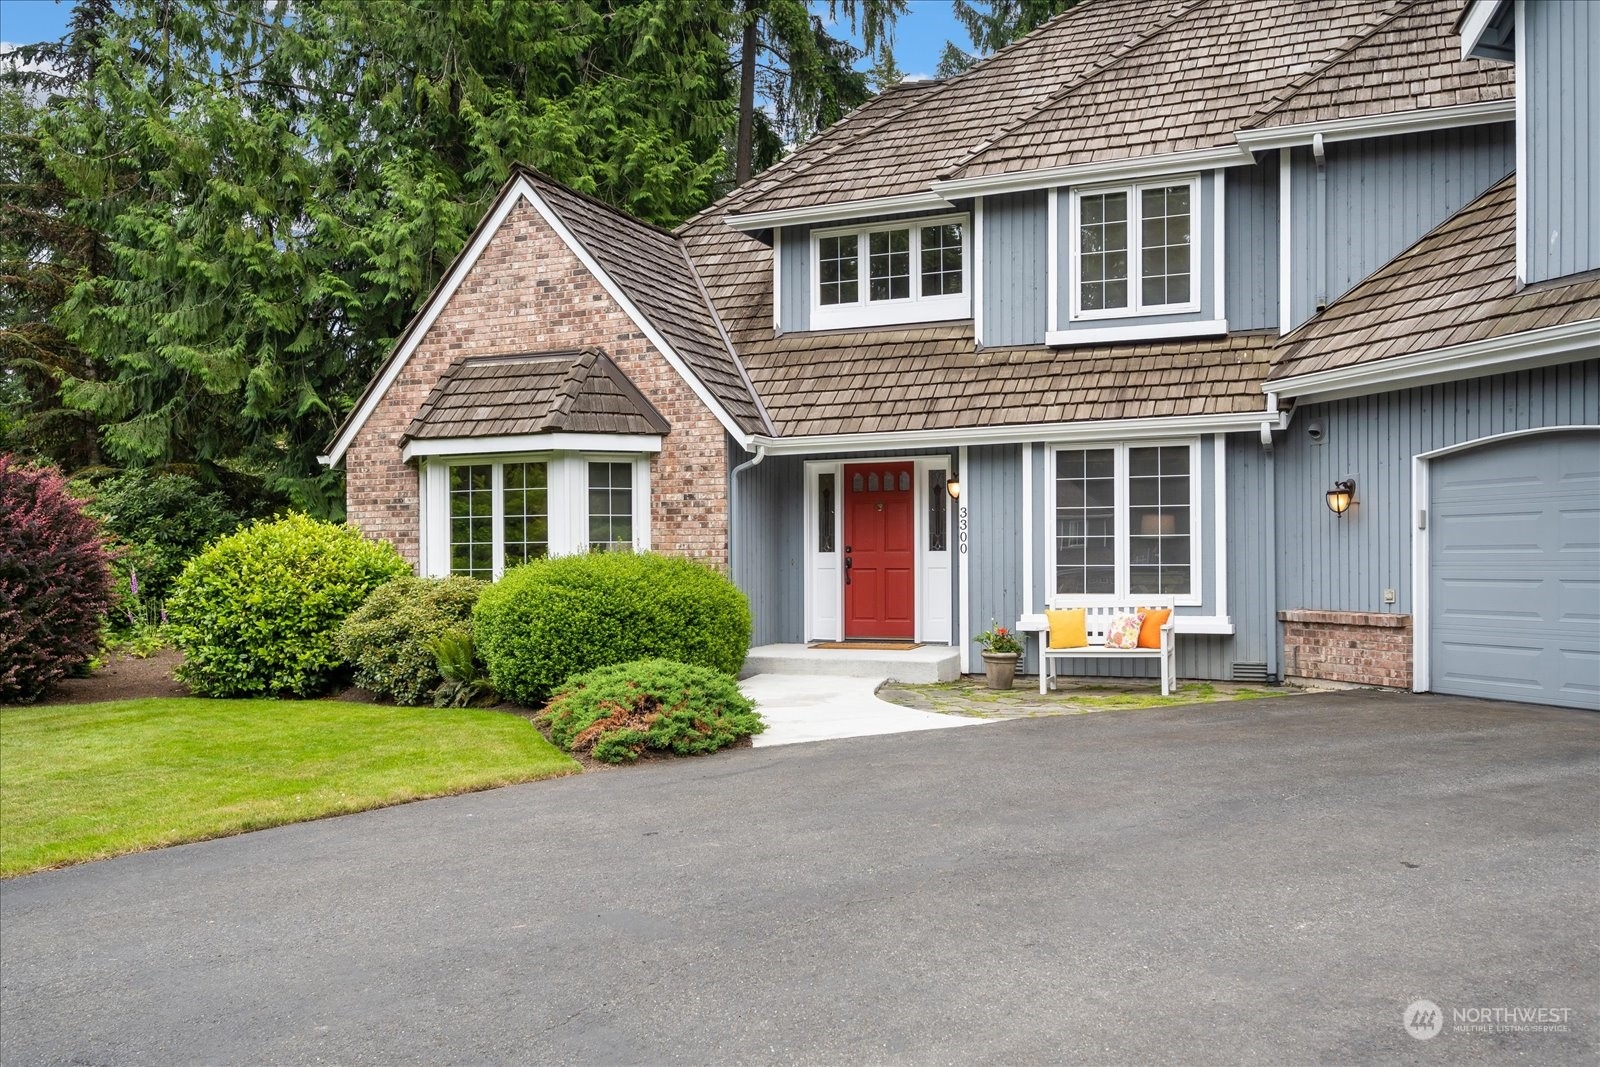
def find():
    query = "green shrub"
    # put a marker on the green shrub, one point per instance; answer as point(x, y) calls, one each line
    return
point(157, 523)
point(255, 614)
point(546, 621)
point(464, 684)
point(55, 581)
point(615, 713)
point(389, 638)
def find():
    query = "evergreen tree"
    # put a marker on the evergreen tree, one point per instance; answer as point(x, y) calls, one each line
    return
point(993, 24)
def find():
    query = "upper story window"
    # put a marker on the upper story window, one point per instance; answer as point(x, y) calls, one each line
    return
point(1132, 252)
point(872, 275)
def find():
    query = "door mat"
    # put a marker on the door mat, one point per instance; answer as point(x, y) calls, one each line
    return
point(870, 646)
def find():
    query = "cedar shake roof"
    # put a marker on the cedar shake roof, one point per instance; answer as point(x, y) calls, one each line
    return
point(652, 269)
point(570, 392)
point(1412, 61)
point(1189, 86)
point(904, 138)
point(1457, 284)
point(931, 378)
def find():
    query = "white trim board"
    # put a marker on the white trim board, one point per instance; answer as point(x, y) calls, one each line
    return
point(1143, 332)
point(531, 442)
point(1082, 173)
point(839, 212)
point(1108, 429)
point(1492, 355)
point(522, 190)
point(1416, 120)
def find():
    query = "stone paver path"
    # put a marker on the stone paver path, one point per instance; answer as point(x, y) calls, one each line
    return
point(970, 698)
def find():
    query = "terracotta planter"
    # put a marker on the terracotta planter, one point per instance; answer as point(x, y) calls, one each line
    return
point(1000, 668)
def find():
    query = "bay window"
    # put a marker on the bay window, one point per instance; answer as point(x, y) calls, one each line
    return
point(1126, 523)
point(912, 271)
point(482, 515)
point(1132, 249)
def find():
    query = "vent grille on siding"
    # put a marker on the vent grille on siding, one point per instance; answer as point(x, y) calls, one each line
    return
point(1249, 672)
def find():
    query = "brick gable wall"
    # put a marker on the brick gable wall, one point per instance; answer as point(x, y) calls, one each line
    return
point(528, 293)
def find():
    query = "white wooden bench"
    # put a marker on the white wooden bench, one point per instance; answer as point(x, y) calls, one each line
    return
point(1097, 621)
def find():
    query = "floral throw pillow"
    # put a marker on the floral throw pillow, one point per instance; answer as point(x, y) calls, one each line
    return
point(1124, 631)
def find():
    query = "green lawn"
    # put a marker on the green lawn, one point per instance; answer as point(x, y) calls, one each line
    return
point(86, 781)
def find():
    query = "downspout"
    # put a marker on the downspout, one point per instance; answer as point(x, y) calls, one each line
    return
point(1274, 627)
point(1319, 150)
point(733, 503)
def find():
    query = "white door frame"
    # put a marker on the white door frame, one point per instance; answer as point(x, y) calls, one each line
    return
point(930, 625)
point(1421, 535)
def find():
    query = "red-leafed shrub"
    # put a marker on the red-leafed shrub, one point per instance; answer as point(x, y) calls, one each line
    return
point(55, 581)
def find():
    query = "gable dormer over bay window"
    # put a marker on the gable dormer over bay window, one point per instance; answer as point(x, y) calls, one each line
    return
point(884, 273)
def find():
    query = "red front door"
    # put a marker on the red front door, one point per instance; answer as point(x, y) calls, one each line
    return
point(880, 550)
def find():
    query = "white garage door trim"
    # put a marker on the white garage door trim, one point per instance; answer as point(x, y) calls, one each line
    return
point(1421, 495)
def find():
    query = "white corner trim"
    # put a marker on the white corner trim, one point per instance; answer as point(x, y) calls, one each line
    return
point(838, 212)
point(777, 279)
point(1045, 433)
point(1081, 173)
point(1219, 488)
point(524, 191)
point(1219, 241)
point(1492, 355)
point(420, 329)
point(507, 444)
point(1285, 247)
point(1416, 120)
point(1520, 79)
point(977, 272)
point(1052, 261)
point(1027, 528)
point(964, 630)
point(1138, 332)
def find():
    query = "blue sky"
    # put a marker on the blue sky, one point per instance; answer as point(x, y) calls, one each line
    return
point(919, 37)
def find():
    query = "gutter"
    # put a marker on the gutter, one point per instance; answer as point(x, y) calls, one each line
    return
point(733, 500)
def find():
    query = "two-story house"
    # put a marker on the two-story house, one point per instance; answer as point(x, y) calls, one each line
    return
point(1127, 310)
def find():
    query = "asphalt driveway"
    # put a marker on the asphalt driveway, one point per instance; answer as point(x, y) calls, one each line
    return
point(1268, 882)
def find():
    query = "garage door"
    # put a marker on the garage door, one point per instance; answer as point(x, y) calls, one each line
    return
point(1514, 575)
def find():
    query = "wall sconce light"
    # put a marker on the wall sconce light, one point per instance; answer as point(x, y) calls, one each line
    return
point(1341, 496)
point(953, 487)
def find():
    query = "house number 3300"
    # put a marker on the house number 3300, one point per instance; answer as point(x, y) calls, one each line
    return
point(961, 529)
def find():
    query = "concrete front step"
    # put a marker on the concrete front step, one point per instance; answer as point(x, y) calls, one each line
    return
point(930, 663)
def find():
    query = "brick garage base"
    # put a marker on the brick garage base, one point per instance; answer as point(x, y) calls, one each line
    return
point(1354, 647)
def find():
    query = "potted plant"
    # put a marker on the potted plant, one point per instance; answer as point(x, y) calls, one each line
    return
point(1001, 650)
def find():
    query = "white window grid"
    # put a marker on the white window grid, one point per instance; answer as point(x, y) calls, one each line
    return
point(904, 290)
point(1135, 248)
point(1123, 533)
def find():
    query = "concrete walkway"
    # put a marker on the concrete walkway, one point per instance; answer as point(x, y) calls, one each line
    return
point(821, 707)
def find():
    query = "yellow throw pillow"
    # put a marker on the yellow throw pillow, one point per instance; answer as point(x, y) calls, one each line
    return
point(1068, 629)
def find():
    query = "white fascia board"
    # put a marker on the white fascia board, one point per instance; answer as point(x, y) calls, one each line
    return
point(1138, 332)
point(838, 212)
point(1493, 355)
point(1063, 432)
point(524, 191)
point(1417, 120)
point(1475, 22)
point(517, 444)
point(1084, 173)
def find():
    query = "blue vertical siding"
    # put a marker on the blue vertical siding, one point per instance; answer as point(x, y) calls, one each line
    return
point(992, 494)
point(795, 310)
point(1335, 563)
point(1015, 268)
point(1382, 195)
point(1559, 51)
point(1252, 552)
point(1250, 219)
point(769, 556)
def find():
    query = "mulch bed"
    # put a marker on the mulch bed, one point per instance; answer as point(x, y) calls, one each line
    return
point(124, 678)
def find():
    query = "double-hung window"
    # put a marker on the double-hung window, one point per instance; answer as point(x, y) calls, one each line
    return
point(1133, 249)
point(890, 272)
point(492, 513)
point(1125, 523)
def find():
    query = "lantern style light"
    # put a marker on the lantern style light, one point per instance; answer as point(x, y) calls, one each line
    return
point(953, 487)
point(1341, 496)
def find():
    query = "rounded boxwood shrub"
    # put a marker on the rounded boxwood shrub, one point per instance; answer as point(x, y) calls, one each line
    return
point(55, 581)
point(255, 614)
point(548, 620)
point(390, 638)
point(615, 713)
